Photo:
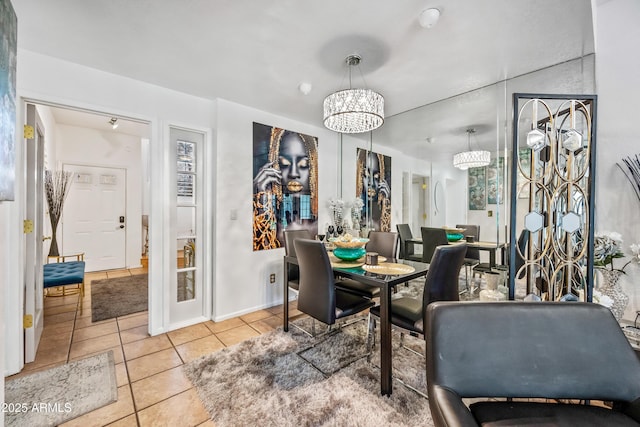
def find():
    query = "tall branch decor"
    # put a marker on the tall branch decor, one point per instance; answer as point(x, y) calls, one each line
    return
point(56, 187)
point(633, 172)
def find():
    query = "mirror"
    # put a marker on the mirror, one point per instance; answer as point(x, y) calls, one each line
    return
point(421, 142)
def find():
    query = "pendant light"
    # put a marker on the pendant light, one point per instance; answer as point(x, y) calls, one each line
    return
point(471, 159)
point(353, 110)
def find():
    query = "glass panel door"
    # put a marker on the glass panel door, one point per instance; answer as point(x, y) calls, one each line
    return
point(186, 292)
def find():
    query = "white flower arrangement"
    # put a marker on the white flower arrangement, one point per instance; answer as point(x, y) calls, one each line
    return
point(607, 246)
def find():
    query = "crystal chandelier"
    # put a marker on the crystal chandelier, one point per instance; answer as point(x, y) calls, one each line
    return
point(471, 159)
point(353, 110)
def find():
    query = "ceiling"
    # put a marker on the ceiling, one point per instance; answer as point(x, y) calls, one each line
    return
point(257, 53)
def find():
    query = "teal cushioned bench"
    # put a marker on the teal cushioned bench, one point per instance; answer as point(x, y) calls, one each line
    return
point(64, 273)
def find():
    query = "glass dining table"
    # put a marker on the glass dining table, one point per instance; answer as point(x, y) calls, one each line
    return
point(385, 282)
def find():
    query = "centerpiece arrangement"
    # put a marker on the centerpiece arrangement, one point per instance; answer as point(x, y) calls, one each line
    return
point(454, 234)
point(349, 248)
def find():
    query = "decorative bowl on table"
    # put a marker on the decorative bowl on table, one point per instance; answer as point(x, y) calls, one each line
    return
point(349, 248)
point(454, 234)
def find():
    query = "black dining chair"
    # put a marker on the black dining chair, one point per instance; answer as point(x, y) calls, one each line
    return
point(526, 364)
point(404, 232)
point(385, 243)
point(432, 238)
point(441, 284)
point(472, 263)
point(317, 294)
point(290, 250)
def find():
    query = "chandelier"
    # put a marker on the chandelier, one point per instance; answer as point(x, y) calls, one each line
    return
point(471, 159)
point(353, 110)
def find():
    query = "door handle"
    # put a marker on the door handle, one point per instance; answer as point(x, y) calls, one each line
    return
point(46, 238)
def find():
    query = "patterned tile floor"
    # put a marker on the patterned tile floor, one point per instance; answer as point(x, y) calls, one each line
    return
point(152, 390)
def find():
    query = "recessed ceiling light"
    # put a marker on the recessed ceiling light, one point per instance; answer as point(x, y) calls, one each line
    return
point(429, 17)
point(305, 88)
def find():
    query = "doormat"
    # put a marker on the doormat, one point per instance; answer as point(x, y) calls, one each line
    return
point(118, 297)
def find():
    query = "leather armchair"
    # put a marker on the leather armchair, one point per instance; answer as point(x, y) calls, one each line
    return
point(544, 350)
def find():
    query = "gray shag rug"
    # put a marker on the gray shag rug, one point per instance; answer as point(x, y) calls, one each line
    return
point(290, 379)
point(57, 395)
point(118, 297)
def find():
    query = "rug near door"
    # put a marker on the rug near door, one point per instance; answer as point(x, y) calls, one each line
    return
point(118, 297)
point(57, 395)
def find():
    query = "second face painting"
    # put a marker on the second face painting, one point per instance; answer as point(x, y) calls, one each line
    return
point(285, 184)
point(373, 187)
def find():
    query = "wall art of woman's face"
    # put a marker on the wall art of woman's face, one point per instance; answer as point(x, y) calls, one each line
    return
point(294, 165)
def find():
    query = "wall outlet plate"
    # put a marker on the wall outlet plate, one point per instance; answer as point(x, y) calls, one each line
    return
point(272, 278)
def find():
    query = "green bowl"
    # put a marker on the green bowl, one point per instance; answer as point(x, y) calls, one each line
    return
point(349, 254)
point(454, 237)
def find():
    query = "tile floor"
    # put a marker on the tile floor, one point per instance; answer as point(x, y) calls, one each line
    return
point(152, 390)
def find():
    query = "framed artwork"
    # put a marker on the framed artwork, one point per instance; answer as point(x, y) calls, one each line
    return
point(477, 178)
point(285, 184)
point(373, 187)
point(8, 47)
point(495, 181)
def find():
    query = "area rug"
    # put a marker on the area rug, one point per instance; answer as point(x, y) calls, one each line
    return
point(118, 297)
point(51, 397)
point(289, 379)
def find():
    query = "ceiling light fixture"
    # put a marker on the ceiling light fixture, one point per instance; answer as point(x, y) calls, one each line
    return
point(113, 122)
point(353, 110)
point(471, 159)
point(429, 17)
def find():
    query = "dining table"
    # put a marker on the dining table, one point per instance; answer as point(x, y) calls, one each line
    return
point(386, 283)
point(491, 247)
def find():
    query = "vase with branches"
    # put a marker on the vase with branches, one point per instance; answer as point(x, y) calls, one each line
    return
point(56, 187)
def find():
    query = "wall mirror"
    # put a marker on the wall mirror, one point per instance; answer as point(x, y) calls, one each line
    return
point(421, 143)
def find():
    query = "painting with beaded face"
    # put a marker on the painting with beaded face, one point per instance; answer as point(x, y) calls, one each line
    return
point(373, 187)
point(285, 184)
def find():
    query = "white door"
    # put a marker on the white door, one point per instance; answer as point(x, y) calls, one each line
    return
point(94, 216)
point(33, 293)
point(187, 300)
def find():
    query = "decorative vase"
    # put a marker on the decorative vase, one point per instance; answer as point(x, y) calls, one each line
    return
point(53, 248)
point(611, 287)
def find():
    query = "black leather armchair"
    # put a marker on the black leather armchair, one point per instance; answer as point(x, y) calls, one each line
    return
point(551, 350)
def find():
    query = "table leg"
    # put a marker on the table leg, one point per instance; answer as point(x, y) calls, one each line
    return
point(492, 258)
point(285, 292)
point(386, 385)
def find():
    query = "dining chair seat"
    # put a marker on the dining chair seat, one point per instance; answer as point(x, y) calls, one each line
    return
point(406, 313)
point(358, 288)
point(348, 304)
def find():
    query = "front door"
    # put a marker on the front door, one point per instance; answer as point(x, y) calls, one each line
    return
point(94, 218)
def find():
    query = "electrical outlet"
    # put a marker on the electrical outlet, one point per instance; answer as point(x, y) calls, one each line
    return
point(272, 278)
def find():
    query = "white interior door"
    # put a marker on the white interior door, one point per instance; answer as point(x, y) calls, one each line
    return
point(187, 299)
point(33, 293)
point(94, 216)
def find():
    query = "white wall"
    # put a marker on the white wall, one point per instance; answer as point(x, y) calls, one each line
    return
point(618, 81)
point(241, 275)
point(90, 147)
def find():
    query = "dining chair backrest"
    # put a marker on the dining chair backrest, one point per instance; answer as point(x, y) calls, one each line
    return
point(290, 236)
point(442, 280)
point(404, 231)
point(317, 294)
point(385, 243)
point(432, 237)
point(290, 250)
point(474, 231)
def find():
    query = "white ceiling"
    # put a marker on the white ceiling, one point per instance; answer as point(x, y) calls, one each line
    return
point(257, 53)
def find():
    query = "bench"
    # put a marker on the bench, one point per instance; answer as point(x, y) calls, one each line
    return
point(63, 273)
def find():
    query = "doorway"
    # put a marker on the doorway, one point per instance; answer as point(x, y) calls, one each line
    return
point(87, 143)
